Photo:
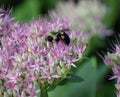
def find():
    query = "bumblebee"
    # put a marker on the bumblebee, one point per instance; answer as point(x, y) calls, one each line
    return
point(56, 36)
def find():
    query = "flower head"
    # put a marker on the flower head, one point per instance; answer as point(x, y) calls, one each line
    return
point(6, 22)
point(113, 60)
point(27, 59)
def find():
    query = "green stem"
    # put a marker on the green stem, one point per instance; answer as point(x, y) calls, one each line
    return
point(44, 93)
point(2, 94)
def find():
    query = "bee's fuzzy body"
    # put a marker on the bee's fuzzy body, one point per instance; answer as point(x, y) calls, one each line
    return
point(57, 36)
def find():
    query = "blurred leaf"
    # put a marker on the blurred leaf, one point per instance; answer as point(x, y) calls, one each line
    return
point(105, 87)
point(47, 5)
point(51, 87)
point(88, 87)
point(94, 43)
point(112, 13)
point(71, 78)
point(85, 89)
point(28, 10)
point(106, 90)
point(102, 71)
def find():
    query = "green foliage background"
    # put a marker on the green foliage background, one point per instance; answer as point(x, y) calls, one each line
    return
point(94, 72)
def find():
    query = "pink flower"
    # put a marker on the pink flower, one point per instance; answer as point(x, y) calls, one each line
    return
point(108, 61)
point(117, 49)
point(10, 85)
point(27, 59)
point(113, 60)
point(116, 71)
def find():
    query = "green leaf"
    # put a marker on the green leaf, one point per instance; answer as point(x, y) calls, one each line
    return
point(94, 43)
point(28, 10)
point(85, 89)
point(71, 78)
point(102, 72)
point(113, 13)
point(88, 88)
point(51, 87)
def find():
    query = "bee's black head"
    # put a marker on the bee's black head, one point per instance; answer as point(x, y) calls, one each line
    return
point(49, 38)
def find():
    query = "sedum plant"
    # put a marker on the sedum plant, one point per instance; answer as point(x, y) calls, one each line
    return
point(112, 60)
point(30, 63)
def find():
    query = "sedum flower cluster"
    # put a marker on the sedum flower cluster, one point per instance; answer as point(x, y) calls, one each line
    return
point(112, 60)
point(28, 62)
point(86, 16)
